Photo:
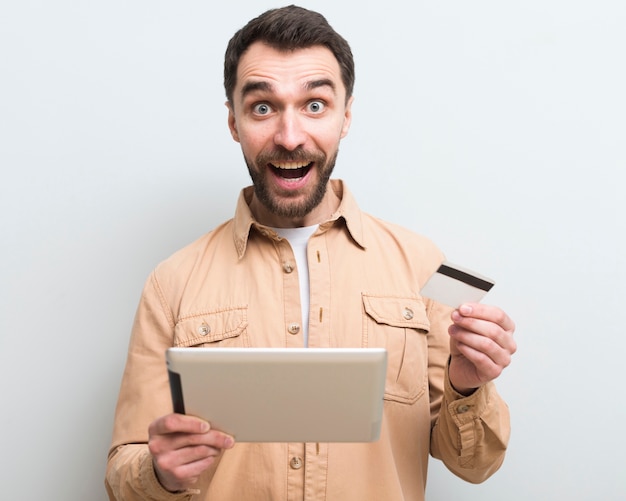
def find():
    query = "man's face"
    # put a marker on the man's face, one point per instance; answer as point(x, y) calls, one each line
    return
point(289, 113)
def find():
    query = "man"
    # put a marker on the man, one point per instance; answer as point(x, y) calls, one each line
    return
point(301, 265)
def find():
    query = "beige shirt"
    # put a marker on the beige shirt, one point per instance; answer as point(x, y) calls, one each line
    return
point(238, 286)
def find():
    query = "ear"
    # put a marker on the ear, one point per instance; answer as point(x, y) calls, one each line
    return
point(347, 119)
point(232, 122)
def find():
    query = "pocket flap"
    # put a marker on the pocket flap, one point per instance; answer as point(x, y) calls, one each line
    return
point(210, 327)
point(408, 312)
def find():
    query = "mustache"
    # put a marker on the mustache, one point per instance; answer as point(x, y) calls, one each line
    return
point(297, 155)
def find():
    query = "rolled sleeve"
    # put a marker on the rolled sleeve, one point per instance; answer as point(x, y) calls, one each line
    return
point(471, 433)
point(131, 477)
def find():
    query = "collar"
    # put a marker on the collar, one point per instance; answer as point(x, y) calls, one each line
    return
point(347, 211)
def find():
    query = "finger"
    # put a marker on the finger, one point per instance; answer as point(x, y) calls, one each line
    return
point(488, 321)
point(482, 350)
point(186, 455)
point(465, 329)
point(178, 470)
point(485, 368)
point(182, 447)
point(213, 439)
point(178, 423)
point(188, 473)
point(466, 326)
point(487, 313)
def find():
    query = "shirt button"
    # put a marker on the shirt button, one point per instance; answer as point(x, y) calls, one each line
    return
point(204, 329)
point(287, 267)
point(462, 409)
point(296, 463)
point(294, 329)
point(407, 313)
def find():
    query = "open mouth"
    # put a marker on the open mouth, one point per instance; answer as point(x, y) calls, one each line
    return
point(291, 170)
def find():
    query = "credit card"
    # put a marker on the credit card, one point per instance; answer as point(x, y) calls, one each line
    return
point(453, 285)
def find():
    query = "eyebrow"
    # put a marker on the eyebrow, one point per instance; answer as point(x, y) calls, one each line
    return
point(323, 82)
point(250, 87)
point(262, 86)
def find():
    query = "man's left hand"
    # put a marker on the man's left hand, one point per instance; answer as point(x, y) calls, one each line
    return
point(481, 345)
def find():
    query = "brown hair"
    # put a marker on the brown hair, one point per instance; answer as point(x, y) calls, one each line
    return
point(287, 29)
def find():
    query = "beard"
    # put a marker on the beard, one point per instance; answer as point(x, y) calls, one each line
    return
point(292, 204)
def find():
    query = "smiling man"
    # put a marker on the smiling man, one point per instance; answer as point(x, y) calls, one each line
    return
point(300, 265)
point(289, 110)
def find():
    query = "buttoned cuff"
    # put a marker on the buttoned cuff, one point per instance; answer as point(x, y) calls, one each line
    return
point(153, 488)
point(466, 414)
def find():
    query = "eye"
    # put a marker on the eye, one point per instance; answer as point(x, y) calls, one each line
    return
point(262, 109)
point(316, 106)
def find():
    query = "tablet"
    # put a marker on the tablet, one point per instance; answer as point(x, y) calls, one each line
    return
point(282, 394)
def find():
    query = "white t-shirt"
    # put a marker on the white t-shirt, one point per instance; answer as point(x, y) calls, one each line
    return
point(298, 238)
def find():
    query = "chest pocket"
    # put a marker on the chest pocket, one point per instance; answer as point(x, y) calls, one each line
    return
point(223, 328)
point(400, 325)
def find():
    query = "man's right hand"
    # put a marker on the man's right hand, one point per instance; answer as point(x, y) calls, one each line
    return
point(182, 448)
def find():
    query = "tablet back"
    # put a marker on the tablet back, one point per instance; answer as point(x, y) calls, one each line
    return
point(282, 394)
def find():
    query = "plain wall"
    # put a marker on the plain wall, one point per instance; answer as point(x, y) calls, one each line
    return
point(496, 128)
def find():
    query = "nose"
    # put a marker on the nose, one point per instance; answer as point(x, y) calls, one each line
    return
point(290, 133)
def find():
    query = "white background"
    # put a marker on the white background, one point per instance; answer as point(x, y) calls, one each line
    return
point(496, 128)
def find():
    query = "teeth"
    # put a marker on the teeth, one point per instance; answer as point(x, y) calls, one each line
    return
point(290, 165)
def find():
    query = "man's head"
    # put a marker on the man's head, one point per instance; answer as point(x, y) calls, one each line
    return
point(287, 29)
point(289, 107)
